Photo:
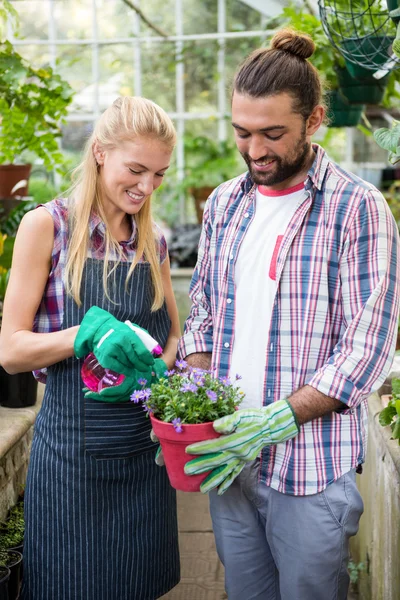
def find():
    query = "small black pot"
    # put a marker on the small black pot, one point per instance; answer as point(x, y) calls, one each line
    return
point(14, 583)
point(17, 391)
point(4, 578)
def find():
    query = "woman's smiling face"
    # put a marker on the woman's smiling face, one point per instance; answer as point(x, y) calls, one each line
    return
point(130, 172)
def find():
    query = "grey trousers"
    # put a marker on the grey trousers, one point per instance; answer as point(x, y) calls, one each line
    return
point(280, 547)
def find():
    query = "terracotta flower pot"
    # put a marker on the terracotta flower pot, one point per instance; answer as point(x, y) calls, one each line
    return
point(173, 445)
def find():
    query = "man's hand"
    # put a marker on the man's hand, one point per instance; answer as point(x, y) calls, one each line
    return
point(249, 431)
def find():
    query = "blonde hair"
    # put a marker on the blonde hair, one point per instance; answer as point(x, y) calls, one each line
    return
point(125, 120)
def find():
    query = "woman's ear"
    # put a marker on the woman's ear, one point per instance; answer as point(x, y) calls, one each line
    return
point(98, 154)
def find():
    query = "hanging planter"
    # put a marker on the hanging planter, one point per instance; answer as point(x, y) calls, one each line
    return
point(340, 112)
point(362, 91)
point(173, 446)
point(376, 47)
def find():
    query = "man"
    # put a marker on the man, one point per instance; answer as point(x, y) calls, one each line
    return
point(296, 288)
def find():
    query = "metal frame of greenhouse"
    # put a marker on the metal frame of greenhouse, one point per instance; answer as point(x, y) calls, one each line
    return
point(180, 115)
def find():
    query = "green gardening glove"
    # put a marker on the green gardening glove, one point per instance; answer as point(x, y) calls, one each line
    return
point(115, 345)
point(250, 430)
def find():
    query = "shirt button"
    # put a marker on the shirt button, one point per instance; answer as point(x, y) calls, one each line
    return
point(229, 300)
point(246, 215)
point(271, 347)
point(226, 344)
point(231, 257)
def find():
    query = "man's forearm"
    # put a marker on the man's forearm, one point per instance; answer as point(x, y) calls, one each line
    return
point(308, 404)
point(199, 360)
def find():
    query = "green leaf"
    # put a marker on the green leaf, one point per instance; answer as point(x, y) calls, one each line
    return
point(396, 430)
point(396, 387)
point(386, 416)
point(388, 139)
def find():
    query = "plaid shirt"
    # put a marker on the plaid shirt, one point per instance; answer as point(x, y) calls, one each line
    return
point(334, 319)
point(49, 316)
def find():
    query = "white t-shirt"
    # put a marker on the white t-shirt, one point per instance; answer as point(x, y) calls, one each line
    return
point(255, 282)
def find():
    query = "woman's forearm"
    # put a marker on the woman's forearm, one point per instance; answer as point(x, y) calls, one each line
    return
point(169, 354)
point(28, 351)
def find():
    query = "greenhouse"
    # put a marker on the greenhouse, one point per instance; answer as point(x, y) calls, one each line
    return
point(199, 299)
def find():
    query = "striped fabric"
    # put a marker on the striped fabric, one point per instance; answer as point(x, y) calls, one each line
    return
point(334, 320)
point(50, 314)
point(100, 514)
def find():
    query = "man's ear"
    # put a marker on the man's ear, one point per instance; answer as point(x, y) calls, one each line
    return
point(97, 153)
point(315, 120)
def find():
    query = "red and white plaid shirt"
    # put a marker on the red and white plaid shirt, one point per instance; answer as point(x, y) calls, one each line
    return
point(334, 320)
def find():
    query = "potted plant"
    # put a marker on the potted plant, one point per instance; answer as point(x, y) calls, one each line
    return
point(182, 407)
point(32, 104)
point(208, 163)
point(19, 390)
point(330, 63)
point(4, 579)
point(12, 560)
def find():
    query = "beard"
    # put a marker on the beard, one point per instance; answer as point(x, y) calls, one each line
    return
point(284, 167)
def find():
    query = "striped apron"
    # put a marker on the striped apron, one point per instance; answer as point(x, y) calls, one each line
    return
point(100, 515)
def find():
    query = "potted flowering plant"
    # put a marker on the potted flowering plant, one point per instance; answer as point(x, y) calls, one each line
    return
point(182, 407)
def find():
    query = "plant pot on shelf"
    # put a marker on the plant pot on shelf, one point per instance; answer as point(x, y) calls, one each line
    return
point(200, 196)
point(367, 90)
point(17, 391)
point(174, 444)
point(4, 579)
point(14, 180)
point(340, 112)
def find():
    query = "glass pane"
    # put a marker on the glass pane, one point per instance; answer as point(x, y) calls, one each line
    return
point(33, 19)
point(74, 19)
point(158, 73)
point(74, 63)
point(114, 19)
point(241, 17)
point(201, 76)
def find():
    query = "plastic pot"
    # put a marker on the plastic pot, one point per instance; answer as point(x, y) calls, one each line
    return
point(362, 91)
point(14, 582)
point(374, 47)
point(341, 113)
point(4, 579)
point(17, 391)
point(174, 444)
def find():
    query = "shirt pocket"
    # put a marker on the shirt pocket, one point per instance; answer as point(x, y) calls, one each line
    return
point(115, 431)
point(272, 266)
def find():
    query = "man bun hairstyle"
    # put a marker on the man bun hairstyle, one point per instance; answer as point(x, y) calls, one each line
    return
point(283, 68)
point(296, 43)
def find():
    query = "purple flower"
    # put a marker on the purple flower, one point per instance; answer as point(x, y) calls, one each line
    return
point(177, 425)
point(146, 393)
point(169, 373)
point(225, 380)
point(142, 381)
point(189, 387)
point(212, 395)
point(148, 409)
point(137, 396)
point(181, 364)
point(198, 379)
point(238, 377)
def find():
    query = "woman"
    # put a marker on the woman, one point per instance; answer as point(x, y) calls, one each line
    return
point(100, 515)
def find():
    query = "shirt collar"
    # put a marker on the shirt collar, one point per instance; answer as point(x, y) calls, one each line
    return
point(315, 175)
point(96, 225)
